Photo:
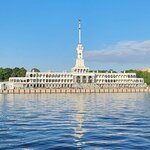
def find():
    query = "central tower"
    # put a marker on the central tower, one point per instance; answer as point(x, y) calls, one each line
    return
point(79, 66)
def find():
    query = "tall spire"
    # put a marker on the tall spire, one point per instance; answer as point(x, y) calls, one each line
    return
point(79, 30)
point(79, 66)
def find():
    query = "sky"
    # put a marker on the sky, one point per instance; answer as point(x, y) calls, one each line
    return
point(44, 34)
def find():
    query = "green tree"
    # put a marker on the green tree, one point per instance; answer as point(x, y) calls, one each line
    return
point(18, 72)
point(22, 72)
point(15, 72)
point(35, 70)
point(6, 73)
point(1, 74)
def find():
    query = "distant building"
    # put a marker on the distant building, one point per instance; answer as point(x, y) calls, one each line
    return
point(78, 77)
point(145, 69)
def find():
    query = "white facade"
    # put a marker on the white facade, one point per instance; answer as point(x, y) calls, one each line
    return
point(73, 79)
point(6, 85)
point(80, 77)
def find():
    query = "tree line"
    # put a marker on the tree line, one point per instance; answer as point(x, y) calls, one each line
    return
point(6, 73)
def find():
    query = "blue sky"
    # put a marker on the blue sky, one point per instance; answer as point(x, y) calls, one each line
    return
point(43, 33)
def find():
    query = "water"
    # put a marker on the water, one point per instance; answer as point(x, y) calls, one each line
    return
point(75, 121)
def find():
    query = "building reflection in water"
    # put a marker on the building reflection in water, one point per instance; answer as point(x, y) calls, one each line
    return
point(79, 118)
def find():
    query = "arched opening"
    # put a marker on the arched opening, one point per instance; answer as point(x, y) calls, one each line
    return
point(90, 79)
point(78, 79)
point(84, 79)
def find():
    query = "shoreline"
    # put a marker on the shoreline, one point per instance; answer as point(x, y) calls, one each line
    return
point(76, 90)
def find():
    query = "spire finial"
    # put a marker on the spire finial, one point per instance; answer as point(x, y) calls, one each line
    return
point(79, 29)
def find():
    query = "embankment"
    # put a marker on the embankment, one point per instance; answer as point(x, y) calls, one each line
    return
point(71, 90)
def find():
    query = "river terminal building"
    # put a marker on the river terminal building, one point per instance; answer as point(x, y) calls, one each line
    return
point(79, 77)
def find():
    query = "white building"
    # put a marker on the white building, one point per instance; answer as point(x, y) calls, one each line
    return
point(79, 76)
point(6, 85)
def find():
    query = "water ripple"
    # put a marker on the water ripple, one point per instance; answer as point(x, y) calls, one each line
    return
point(75, 121)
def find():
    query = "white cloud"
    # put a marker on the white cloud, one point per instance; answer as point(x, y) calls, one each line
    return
point(132, 52)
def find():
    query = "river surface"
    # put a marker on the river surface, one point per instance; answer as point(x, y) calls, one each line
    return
point(75, 121)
